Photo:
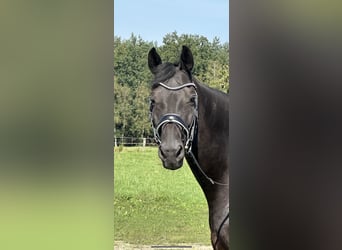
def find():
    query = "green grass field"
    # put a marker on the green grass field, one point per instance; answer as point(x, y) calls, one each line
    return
point(153, 205)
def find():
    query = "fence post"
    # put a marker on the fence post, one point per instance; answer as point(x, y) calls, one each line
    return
point(144, 142)
point(115, 142)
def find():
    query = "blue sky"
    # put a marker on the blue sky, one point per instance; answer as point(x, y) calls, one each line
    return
point(153, 19)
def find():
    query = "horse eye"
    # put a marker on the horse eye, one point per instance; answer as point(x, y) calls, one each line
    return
point(193, 99)
point(152, 103)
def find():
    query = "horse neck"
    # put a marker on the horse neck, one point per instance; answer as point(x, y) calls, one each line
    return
point(213, 109)
point(211, 151)
point(211, 140)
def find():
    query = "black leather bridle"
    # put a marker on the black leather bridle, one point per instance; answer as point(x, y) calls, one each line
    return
point(188, 130)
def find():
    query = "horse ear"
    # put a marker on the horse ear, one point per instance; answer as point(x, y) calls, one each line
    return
point(187, 60)
point(153, 59)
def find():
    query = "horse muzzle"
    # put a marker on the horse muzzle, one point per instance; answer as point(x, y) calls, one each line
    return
point(172, 156)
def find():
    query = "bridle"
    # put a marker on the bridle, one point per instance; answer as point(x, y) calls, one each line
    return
point(188, 131)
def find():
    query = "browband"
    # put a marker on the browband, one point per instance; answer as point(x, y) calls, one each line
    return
point(178, 87)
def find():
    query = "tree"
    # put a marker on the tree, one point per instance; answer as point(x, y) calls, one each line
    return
point(217, 76)
point(141, 125)
point(130, 61)
point(122, 109)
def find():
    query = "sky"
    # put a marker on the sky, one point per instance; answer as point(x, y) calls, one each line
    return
point(153, 19)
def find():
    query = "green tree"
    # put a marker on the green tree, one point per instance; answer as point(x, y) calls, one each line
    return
point(217, 76)
point(141, 125)
point(130, 60)
point(122, 109)
point(131, 86)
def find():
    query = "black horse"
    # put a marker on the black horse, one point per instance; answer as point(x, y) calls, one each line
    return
point(190, 120)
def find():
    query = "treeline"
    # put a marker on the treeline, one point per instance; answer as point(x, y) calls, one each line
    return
point(132, 76)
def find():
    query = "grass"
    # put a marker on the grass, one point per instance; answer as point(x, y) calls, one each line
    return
point(153, 205)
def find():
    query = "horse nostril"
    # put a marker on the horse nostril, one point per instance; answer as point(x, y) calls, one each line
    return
point(179, 151)
point(162, 153)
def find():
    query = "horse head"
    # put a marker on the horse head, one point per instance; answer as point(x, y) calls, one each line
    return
point(173, 107)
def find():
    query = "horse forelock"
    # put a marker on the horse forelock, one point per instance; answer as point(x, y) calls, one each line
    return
point(164, 72)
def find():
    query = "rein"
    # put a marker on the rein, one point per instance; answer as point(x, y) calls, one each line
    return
point(204, 174)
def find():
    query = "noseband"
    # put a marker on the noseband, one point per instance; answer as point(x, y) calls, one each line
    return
point(188, 131)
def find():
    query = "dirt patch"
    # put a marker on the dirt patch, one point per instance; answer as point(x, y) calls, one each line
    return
point(120, 245)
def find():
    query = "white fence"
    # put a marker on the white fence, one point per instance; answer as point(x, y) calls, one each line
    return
point(133, 141)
